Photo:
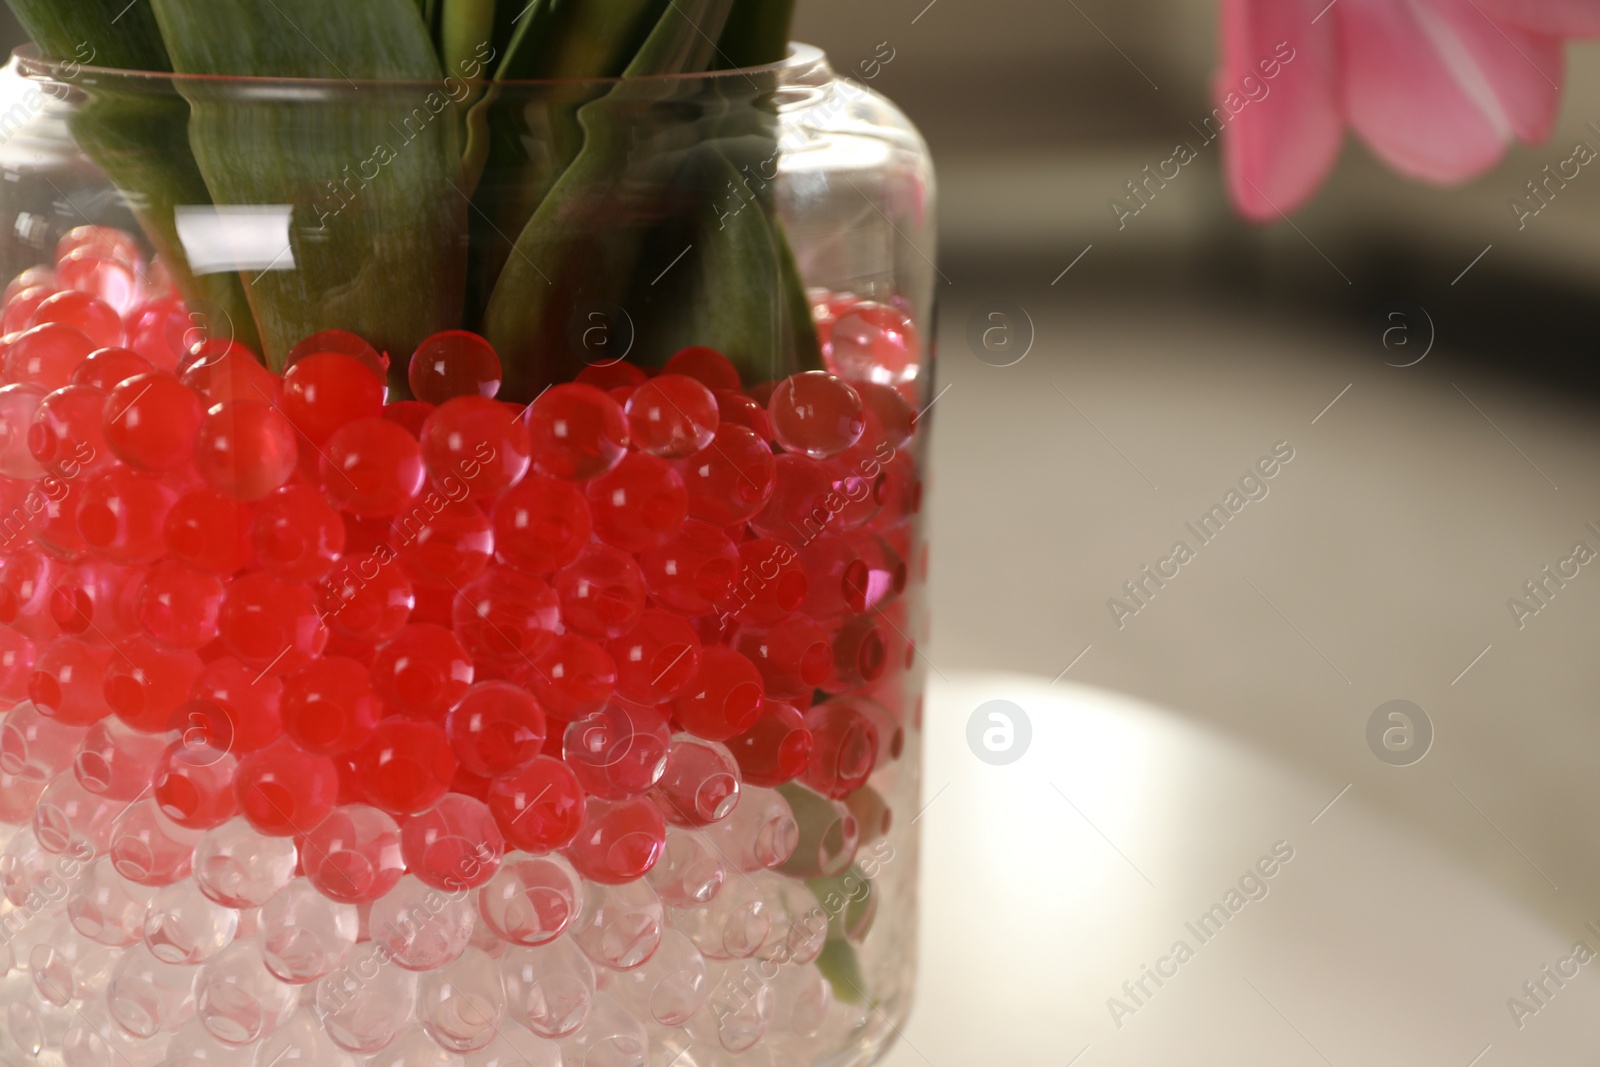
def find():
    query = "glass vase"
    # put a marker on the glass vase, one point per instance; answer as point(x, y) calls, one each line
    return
point(459, 593)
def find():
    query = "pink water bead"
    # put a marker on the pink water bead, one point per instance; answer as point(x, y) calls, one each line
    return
point(540, 807)
point(116, 761)
point(699, 784)
point(67, 432)
point(692, 571)
point(639, 504)
point(496, 729)
point(617, 751)
point(151, 421)
point(846, 748)
point(576, 432)
point(672, 415)
point(777, 749)
point(724, 698)
point(93, 599)
point(506, 619)
point(231, 374)
point(874, 342)
point(475, 441)
point(343, 342)
point(234, 707)
point(353, 856)
point(794, 655)
point(84, 312)
point(422, 671)
point(541, 524)
point(372, 467)
point(27, 279)
point(329, 706)
point(67, 681)
point(405, 766)
point(17, 654)
point(108, 368)
point(620, 840)
point(657, 659)
point(803, 501)
point(284, 790)
point(193, 784)
point(245, 449)
point(122, 515)
point(738, 409)
point(145, 684)
point(705, 365)
point(454, 363)
point(327, 390)
point(106, 241)
point(816, 413)
point(295, 534)
point(454, 845)
point(731, 480)
point(270, 623)
point(48, 354)
point(602, 592)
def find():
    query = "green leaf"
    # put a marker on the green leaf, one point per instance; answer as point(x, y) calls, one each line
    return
point(371, 175)
point(757, 33)
point(848, 900)
point(841, 967)
point(106, 33)
point(581, 39)
point(466, 36)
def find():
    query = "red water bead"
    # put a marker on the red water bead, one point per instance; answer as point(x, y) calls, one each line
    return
point(706, 366)
point(541, 524)
point(87, 314)
point(106, 241)
point(454, 363)
point(145, 684)
point(178, 606)
point(48, 354)
point(639, 504)
point(572, 677)
point(794, 655)
point(17, 654)
point(895, 419)
point(873, 342)
point(406, 766)
point(617, 374)
point(18, 405)
point(412, 414)
point(816, 413)
point(66, 436)
point(657, 659)
point(422, 671)
point(671, 415)
point(240, 706)
point(112, 281)
point(699, 784)
point(284, 791)
point(803, 500)
point(454, 845)
point(245, 448)
point(506, 618)
point(122, 515)
point(18, 313)
point(108, 368)
point(496, 729)
point(446, 547)
point(576, 432)
point(66, 681)
point(846, 748)
point(730, 481)
point(372, 467)
point(193, 783)
point(209, 531)
point(151, 421)
point(860, 653)
point(296, 534)
point(540, 807)
point(776, 749)
point(771, 583)
point(28, 581)
point(618, 750)
point(724, 698)
point(472, 440)
point(736, 409)
point(366, 598)
point(162, 331)
point(327, 390)
point(344, 342)
point(620, 840)
point(840, 579)
point(602, 592)
point(87, 600)
point(27, 279)
point(233, 374)
point(270, 623)
point(329, 706)
point(353, 856)
point(692, 571)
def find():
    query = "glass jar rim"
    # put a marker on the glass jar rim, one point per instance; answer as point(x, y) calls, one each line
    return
point(802, 58)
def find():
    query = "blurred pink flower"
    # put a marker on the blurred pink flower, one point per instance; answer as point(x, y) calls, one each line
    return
point(1436, 88)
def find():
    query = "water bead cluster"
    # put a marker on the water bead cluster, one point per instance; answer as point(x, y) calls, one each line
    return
point(355, 727)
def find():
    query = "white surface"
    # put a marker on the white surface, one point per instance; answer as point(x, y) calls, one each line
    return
point(1049, 882)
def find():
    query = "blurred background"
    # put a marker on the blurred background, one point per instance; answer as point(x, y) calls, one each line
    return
point(1431, 369)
